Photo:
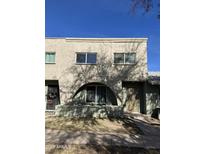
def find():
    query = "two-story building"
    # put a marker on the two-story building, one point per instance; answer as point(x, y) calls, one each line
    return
point(96, 75)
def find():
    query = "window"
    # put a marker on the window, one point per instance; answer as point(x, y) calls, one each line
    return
point(50, 57)
point(86, 58)
point(90, 94)
point(101, 94)
point(96, 94)
point(91, 58)
point(119, 58)
point(130, 58)
point(81, 58)
point(124, 58)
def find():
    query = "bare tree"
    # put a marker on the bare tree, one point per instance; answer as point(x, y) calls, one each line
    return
point(104, 72)
point(146, 5)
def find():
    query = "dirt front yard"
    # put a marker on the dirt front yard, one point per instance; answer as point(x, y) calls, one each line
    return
point(131, 134)
point(88, 124)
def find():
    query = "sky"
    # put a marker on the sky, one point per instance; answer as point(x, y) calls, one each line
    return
point(104, 18)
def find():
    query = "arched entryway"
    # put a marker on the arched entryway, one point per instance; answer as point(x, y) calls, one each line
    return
point(95, 93)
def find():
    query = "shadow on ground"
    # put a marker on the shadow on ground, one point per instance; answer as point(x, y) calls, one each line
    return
point(90, 135)
point(96, 149)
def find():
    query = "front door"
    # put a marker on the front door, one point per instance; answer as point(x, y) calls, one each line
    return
point(52, 97)
point(133, 96)
point(132, 99)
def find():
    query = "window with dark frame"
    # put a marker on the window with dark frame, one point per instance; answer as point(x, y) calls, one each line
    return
point(96, 94)
point(86, 58)
point(91, 92)
point(101, 94)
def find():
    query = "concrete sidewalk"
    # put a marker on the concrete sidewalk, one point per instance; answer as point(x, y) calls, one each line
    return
point(60, 137)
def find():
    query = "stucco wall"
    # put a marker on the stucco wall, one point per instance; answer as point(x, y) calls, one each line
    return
point(72, 76)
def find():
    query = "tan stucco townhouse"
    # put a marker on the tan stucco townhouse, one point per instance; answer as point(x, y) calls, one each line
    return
point(98, 76)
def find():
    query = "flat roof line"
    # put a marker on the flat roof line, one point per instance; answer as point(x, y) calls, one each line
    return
point(93, 38)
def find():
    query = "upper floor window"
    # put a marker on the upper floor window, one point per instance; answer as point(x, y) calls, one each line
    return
point(124, 58)
point(50, 57)
point(86, 58)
